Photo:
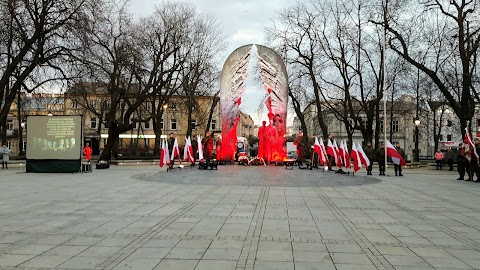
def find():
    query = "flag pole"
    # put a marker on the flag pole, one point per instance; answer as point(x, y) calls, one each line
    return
point(384, 44)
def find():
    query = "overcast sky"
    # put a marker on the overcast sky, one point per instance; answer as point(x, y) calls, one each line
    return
point(243, 22)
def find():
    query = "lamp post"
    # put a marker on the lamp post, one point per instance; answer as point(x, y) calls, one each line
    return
point(20, 136)
point(417, 156)
point(165, 107)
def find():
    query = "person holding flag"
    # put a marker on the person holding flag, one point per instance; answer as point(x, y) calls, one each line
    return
point(462, 162)
point(471, 154)
point(396, 166)
point(396, 157)
point(207, 145)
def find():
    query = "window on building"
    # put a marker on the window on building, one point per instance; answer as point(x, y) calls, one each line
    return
point(74, 104)
point(440, 137)
point(147, 124)
point(9, 144)
point(193, 124)
point(381, 124)
point(478, 122)
point(9, 124)
point(213, 125)
point(173, 124)
point(172, 106)
point(104, 142)
point(93, 122)
point(395, 125)
point(449, 137)
point(449, 123)
point(161, 124)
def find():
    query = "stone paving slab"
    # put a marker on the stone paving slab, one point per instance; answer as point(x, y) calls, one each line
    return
point(242, 218)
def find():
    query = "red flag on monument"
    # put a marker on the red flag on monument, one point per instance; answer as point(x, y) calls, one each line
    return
point(393, 153)
point(357, 163)
point(188, 151)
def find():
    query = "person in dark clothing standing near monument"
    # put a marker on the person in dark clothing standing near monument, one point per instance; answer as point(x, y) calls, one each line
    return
point(207, 144)
point(300, 144)
point(449, 156)
point(380, 155)
point(475, 166)
point(399, 167)
point(370, 152)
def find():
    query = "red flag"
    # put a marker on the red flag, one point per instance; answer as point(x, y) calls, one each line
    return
point(357, 163)
point(338, 159)
point(363, 157)
point(176, 151)
point(468, 140)
point(324, 152)
point(331, 150)
point(346, 156)
point(162, 155)
point(393, 153)
point(317, 148)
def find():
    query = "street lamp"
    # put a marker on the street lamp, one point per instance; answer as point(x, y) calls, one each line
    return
point(165, 107)
point(417, 156)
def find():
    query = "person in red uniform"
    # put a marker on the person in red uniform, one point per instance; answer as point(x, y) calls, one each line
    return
point(87, 151)
point(207, 144)
point(262, 141)
point(218, 146)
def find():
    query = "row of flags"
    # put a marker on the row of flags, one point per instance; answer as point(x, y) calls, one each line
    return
point(342, 157)
point(167, 159)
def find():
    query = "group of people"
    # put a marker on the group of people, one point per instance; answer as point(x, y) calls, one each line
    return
point(271, 139)
point(373, 154)
point(208, 143)
point(468, 162)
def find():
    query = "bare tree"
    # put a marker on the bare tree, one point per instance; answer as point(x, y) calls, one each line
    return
point(451, 49)
point(37, 38)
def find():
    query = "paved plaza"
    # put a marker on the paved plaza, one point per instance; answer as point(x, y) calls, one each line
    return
point(243, 218)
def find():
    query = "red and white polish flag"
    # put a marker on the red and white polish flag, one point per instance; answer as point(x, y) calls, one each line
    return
point(338, 159)
point(331, 150)
point(176, 151)
point(346, 156)
point(324, 152)
point(357, 163)
point(200, 148)
point(468, 140)
point(363, 157)
point(394, 155)
point(164, 154)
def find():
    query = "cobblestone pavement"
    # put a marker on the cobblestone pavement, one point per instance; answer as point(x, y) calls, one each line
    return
point(239, 219)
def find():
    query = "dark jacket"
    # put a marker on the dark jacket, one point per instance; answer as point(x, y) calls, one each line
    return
point(380, 154)
point(401, 152)
point(370, 152)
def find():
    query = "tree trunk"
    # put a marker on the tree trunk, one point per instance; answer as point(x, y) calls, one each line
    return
point(113, 134)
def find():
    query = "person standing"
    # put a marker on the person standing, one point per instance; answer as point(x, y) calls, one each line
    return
point(207, 144)
point(475, 166)
point(218, 147)
point(439, 158)
point(399, 167)
point(462, 162)
point(271, 134)
point(370, 152)
point(5, 156)
point(380, 155)
point(300, 144)
point(262, 141)
point(449, 155)
point(87, 151)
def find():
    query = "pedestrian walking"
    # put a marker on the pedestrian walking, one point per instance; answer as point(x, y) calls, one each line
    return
point(439, 158)
point(380, 155)
point(5, 156)
point(398, 168)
